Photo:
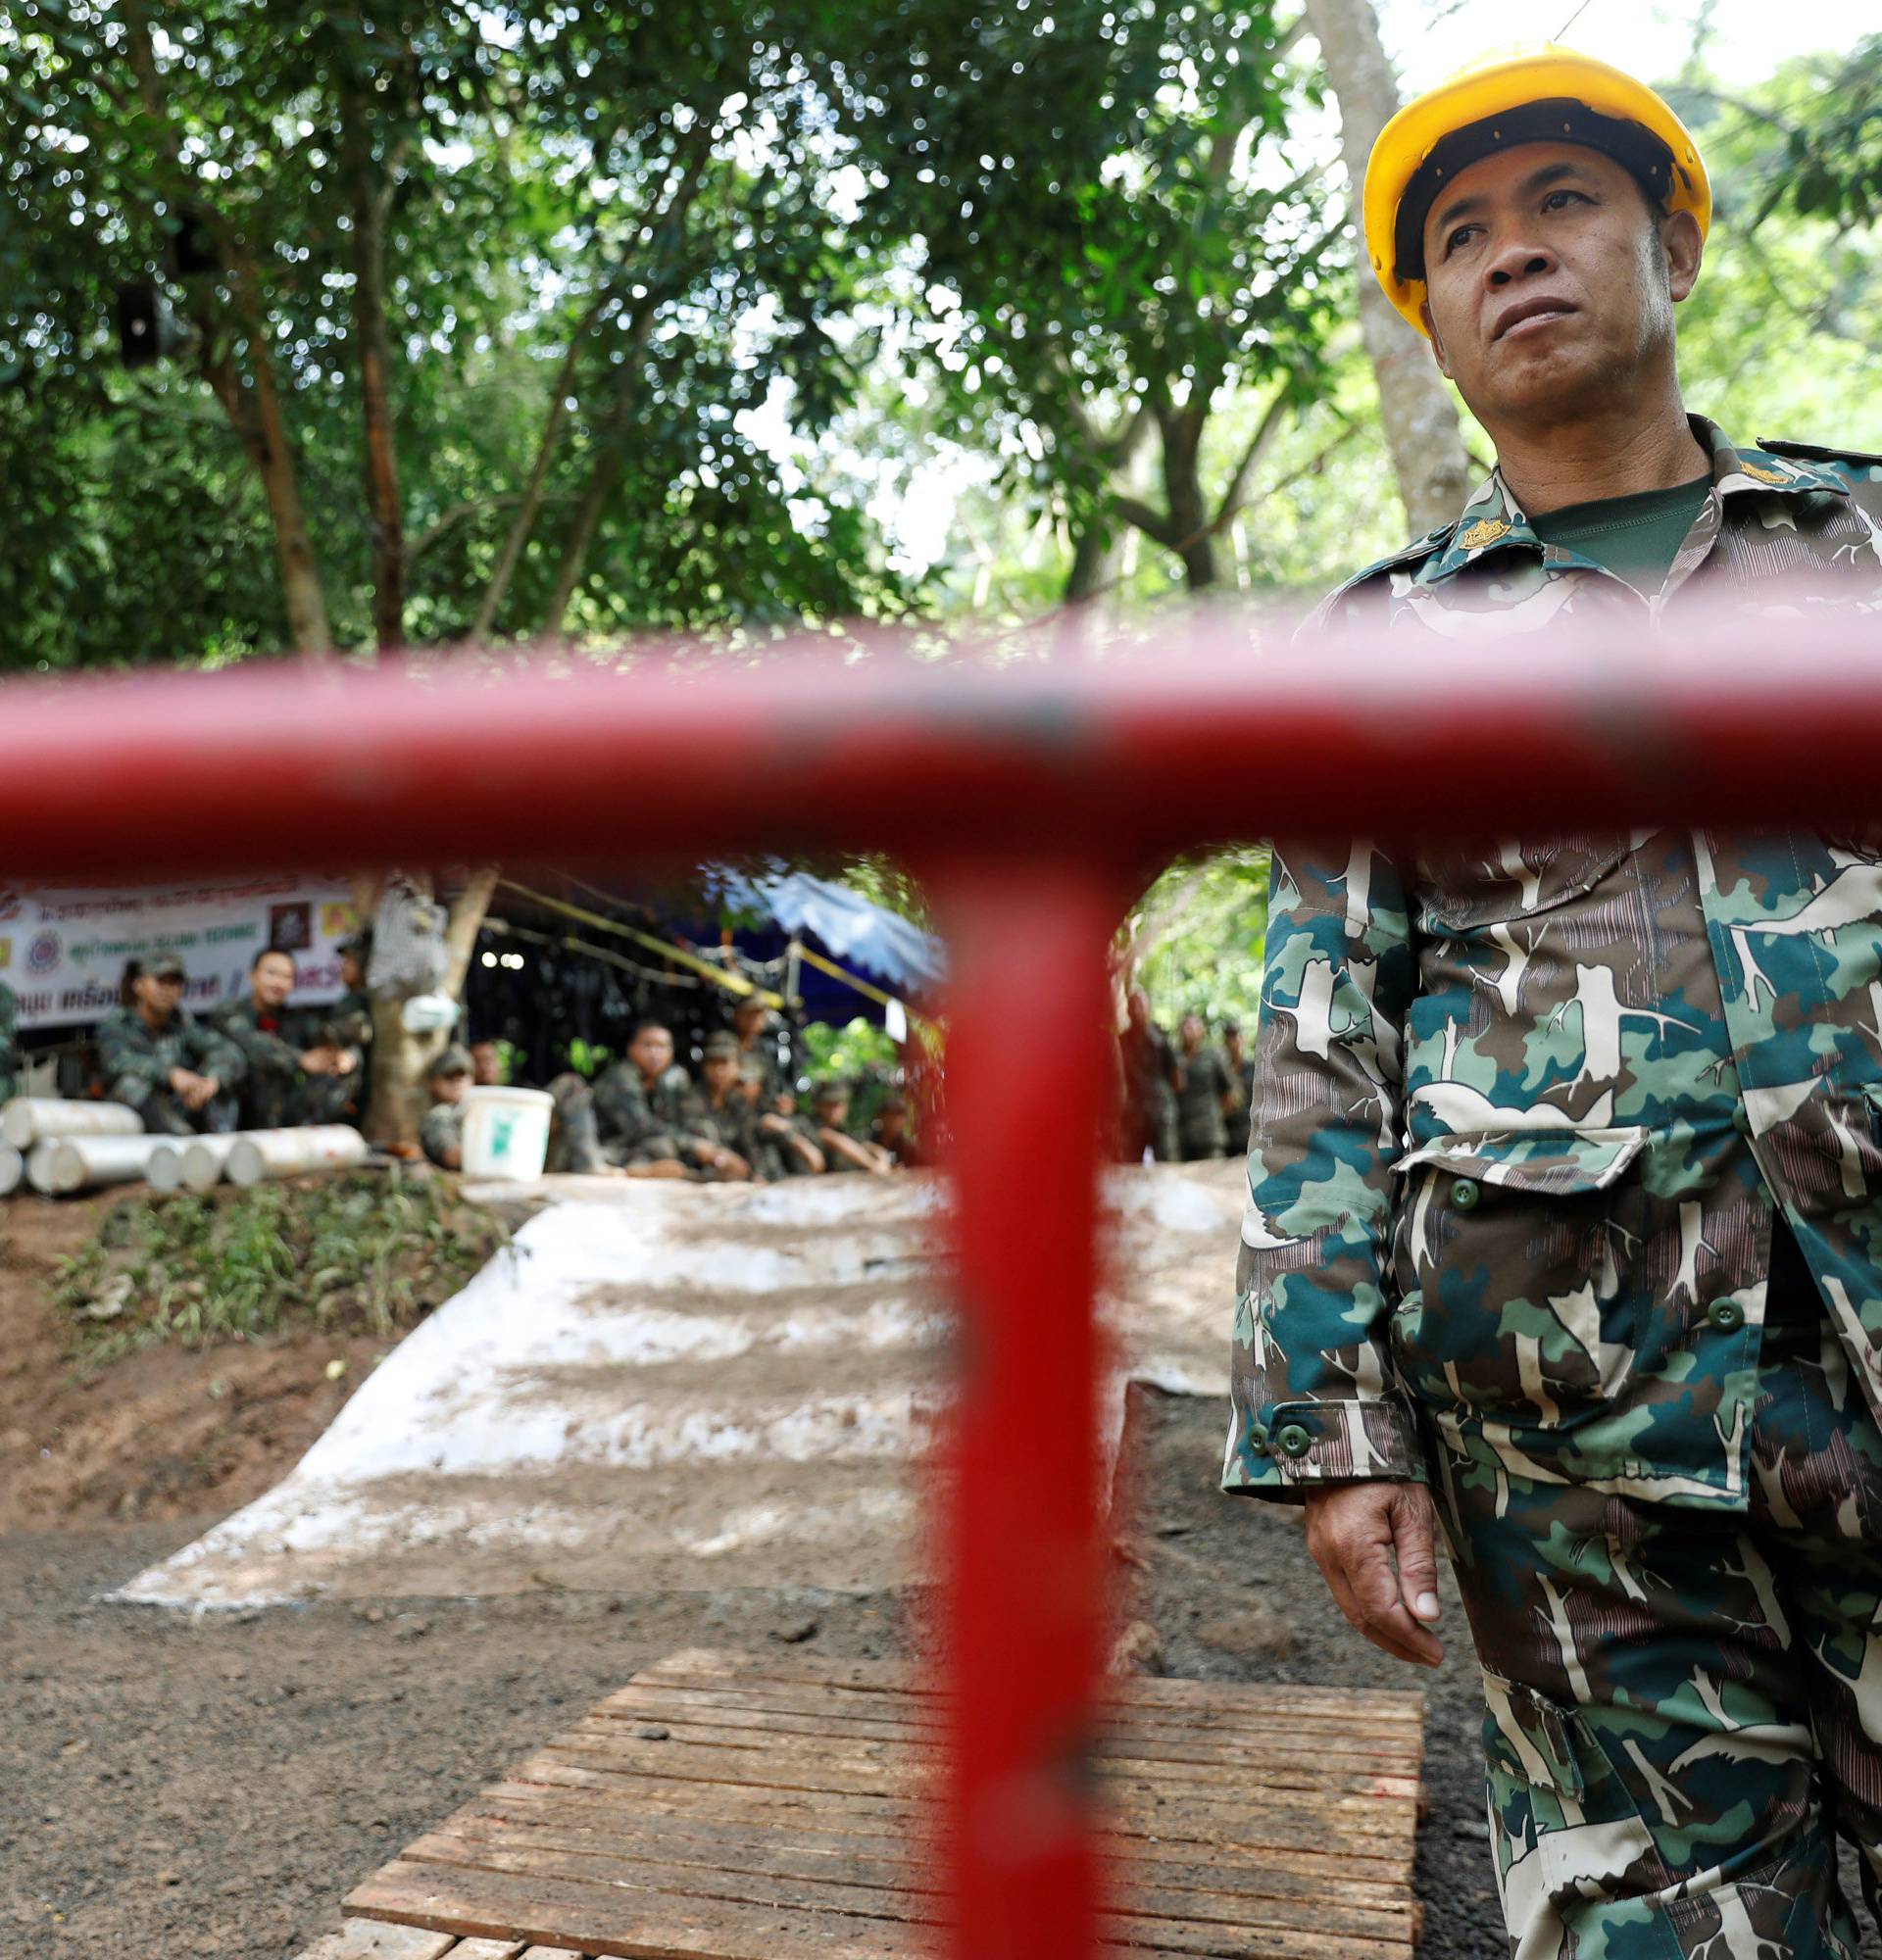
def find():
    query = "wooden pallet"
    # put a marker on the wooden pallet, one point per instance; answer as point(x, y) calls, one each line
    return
point(743, 1808)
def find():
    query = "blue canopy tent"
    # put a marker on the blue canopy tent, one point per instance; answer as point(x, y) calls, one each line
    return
point(849, 929)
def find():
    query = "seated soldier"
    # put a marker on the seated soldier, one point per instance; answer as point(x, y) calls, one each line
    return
point(785, 1145)
point(441, 1130)
point(346, 1027)
point(282, 1050)
point(640, 1111)
point(178, 1074)
point(487, 1068)
point(841, 1151)
point(9, 1041)
point(890, 1134)
point(751, 1023)
point(717, 1110)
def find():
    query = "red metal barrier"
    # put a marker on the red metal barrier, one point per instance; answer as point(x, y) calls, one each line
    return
point(1030, 797)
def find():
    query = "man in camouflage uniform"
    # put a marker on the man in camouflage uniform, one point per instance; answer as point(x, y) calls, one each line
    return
point(1564, 1215)
point(1205, 1095)
point(1151, 1074)
point(283, 1052)
point(179, 1075)
point(717, 1109)
point(787, 1145)
point(345, 1026)
point(643, 1110)
point(9, 1041)
point(441, 1127)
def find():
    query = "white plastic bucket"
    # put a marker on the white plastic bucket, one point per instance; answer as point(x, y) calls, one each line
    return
point(506, 1132)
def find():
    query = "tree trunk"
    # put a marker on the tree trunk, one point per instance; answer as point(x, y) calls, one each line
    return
point(386, 515)
point(1094, 563)
point(399, 1059)
point(254, 411)
point(1416, 409)
point(255, 414)
point(1195, 536)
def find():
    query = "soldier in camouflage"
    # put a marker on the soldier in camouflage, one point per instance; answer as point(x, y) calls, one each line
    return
point(441, 1128)
point(1564, 1217)
point(179, 1075)
point(646, 1115)
point(286, 1063)
point(9, 1041)
point(1205, 1095)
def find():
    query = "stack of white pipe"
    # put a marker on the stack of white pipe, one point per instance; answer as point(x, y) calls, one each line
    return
point(257, 1154)
point(30, 1119)
point(61, 1165)
point(190, 1164)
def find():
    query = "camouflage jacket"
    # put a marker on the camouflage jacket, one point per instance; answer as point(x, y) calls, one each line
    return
point(441, 1130)
point(9, 1041)
point(1200, 1101)
point(270, 1058)
point(136, 1063)
point(629, 1115)
point(1521, 1113)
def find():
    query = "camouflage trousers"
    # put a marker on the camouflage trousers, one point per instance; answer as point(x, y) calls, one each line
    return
point(1684, 1707)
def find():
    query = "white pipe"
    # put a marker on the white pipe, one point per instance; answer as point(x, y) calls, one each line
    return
point(62, 1164)
point(12, 1169)
point(255, 1154)
point(28, 1119)
point(205, 1160)
point(166, 1167)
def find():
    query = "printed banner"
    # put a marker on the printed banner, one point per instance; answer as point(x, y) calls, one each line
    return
point(64, 952)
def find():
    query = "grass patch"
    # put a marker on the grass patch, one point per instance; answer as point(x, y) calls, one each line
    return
point(363, 1252)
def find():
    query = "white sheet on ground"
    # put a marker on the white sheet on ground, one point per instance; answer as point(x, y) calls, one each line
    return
point(666, 1386)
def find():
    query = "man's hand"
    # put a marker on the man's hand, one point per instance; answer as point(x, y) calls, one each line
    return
point(1355, 1531)
point(193, 1090)
point(318, 1061)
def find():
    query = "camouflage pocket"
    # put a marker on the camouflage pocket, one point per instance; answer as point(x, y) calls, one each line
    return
point(1472, 887)
point(1576, 1864)
point(1510, 1273)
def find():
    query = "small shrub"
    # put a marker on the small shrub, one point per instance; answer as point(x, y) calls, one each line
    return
point(367, 1252)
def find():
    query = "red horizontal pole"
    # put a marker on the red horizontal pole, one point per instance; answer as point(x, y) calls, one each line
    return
point(1156, 746)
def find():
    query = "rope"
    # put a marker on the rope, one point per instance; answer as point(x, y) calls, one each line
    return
point(734, 983)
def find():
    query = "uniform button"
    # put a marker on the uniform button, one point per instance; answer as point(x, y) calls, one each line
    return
point(1258, 1438)
point(1294, 1441)
point(1464, 1194)
point(1726, 1315)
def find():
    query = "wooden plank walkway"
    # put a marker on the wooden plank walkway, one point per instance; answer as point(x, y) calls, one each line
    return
point(745, 1808)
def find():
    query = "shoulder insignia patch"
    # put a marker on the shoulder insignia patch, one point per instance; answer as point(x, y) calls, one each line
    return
point(1760, 474)
point(1812, 452)
point(1485, 531)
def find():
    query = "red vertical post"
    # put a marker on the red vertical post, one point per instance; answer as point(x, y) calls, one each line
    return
point(1029, 1087)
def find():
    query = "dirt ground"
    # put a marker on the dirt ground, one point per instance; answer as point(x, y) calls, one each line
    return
point(214, 1785)
point(163, 1435)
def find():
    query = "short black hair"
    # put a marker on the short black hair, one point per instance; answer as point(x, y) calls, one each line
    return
point(645, 1022)
point(274, 952)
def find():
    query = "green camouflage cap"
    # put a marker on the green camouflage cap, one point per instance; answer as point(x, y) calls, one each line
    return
point(162, 961)
point(720, 1047)
point(453, 1060)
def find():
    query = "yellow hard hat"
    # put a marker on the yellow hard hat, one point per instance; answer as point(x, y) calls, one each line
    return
point(1536, 93)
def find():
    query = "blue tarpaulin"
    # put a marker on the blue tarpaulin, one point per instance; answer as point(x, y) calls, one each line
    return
point(854, 931)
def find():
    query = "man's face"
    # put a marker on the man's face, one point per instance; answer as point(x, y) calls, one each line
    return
point(894, 1125)
point(1550, 284)
point(1232, 1044)
point(720, 1072)
point(352, 973)
point(272, 980)
point(652, 1052)
point(748, 1021)
point(1138, 1008)
point(486, 1064)
point(1192, 1031)
point(833, 1110)
point(449, 1088)
point(161, 993)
